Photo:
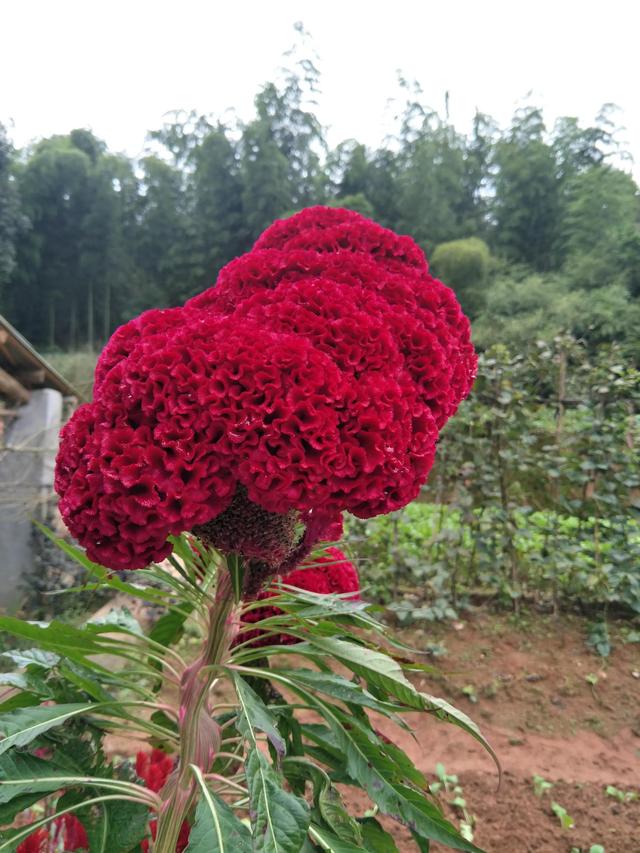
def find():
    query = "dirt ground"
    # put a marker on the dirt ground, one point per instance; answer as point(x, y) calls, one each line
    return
point(550, 708)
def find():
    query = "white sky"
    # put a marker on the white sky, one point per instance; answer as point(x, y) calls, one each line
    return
point(118, 66)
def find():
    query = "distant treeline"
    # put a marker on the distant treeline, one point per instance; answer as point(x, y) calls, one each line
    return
point(535, 228)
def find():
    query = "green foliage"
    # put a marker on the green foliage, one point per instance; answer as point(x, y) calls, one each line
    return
point(464, 265)
point(533, 495)
point(250, 797)
point(216, 828)
point(358, 202)
point(566, 821)
point(527, 192)
point(598, 204)
point(89, 238)
point(10, 215)
point(541, 786)
point(621, 796)
point(598, 638)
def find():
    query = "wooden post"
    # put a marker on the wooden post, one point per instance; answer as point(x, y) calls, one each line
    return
point(11, 388)
point(28, 378)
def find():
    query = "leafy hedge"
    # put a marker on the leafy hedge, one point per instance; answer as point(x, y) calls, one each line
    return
point(536, 492)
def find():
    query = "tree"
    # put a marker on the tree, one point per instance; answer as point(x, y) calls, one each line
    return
point(432, 200)
point(10, 216)
point(48, 288)
point(579, 148)
point(525, 208)
point(358, 202)
point(218, 211)
point(600, 203)
point(166, 234)
point(464, 265)
point(281, 147)
point(73, 259)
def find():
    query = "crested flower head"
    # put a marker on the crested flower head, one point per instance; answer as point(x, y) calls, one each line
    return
point(312, 379)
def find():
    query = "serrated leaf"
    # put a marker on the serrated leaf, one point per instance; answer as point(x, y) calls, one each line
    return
point(382, 672)
point(376, 668)
point(279, 819)
point(444, 711)
point(368, 765)
point(216, 828)
point(255, 715)
point(22, 726)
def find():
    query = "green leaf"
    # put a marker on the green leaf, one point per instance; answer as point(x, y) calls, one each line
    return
point(22, 726)
point(280, 820)
point(369, 766)
point(14, 679)
point(376, 839)
point(81, 677)
point(256, 715)
point(26, 657)
point(382, 672)
point(15, 795)
point(20, 700)
point(114, 826)
point(235, 566)
point(16, 767)
point(330, 842)
point(10, 838)
point(378, 669)
point(116, 618)
point(216, 828)
point(336, 816)
point(340, 688)
point(169, 627)
point(446, 712)
point(326, 798)
point(9, 811)
point(306, 606)
point(566, 821)
point(105, 576)
point(56, 637)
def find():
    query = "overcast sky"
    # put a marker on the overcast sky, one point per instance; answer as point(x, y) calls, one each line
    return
point(118, 66)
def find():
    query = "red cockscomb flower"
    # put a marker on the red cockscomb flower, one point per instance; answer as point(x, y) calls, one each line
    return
point(65, 833)
point(312, 379)
point(154, 768)
point(330, 572)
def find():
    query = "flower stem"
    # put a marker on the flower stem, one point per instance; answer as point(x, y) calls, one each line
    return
point(199, 734)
